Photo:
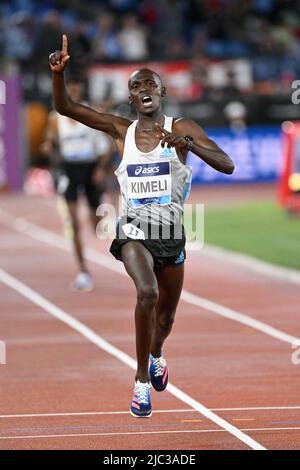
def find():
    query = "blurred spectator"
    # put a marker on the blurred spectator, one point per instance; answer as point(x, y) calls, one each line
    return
point(105, 44)
point(217, 28)
point(175, 49)
point(133, 38)
point(48, 38)
point(172, 18)
point(80, 50)
point(19, 36)
point(265, 32)
point(236, 113)
point(149, 14)
point(124, 6)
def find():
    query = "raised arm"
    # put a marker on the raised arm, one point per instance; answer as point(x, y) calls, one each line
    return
point(113, 125)
point(200, 145)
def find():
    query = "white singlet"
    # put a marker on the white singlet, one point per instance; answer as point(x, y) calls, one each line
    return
point(154, 185)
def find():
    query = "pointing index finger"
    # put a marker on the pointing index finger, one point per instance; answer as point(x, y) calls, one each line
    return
point(65, 44)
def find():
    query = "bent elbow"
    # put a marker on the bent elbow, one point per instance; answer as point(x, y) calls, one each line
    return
point(61, 109)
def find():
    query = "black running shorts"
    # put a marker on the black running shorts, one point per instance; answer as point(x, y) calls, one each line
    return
point(77, 178)
point(165, 243)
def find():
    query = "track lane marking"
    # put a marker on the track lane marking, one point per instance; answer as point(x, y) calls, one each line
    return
point(137, 433)
point(243, 419)
point(178, 410)
point(32, 230)
point(264, 268)
point(88, 333)
point(88, 413)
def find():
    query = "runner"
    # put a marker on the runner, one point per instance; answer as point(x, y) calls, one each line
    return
point(83, 154)
point(154, 182)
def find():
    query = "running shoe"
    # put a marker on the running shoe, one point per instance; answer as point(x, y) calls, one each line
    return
point(83, 282)
point(159, 373)
point(141, 402)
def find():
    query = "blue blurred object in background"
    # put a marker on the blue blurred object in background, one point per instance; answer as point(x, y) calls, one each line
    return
point(256, 151)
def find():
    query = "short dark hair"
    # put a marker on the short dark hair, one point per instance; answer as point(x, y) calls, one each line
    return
point(145, 69)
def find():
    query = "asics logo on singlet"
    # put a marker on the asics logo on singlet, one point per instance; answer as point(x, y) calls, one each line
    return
point(146, 171)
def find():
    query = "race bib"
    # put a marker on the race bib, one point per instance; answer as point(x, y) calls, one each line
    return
point(131, 231)
point(149, 183)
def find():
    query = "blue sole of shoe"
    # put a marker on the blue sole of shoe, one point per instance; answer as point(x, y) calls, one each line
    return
point(140, 416)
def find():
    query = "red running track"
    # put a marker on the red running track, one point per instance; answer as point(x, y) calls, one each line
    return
point(61, 391)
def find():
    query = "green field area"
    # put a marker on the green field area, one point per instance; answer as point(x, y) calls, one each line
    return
point(262, 230)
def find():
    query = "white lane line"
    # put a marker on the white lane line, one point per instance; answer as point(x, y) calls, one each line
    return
point(174, 411)
point(238, 317)
point(82, 329)
point(90, 413)
point(113, 434)
point(50, 238)
point(259, 408)
point(140, 433)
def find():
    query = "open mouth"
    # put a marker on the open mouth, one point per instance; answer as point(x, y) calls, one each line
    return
point(147, 100)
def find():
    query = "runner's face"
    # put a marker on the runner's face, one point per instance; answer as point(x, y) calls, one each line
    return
point(145, 90)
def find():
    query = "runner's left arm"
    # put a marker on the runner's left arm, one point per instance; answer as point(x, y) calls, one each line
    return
point(200, 145)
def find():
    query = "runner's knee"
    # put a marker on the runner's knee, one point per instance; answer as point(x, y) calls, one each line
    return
point(147, 295)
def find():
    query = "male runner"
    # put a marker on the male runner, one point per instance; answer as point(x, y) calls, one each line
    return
point(83, 153)
point(154, 183)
